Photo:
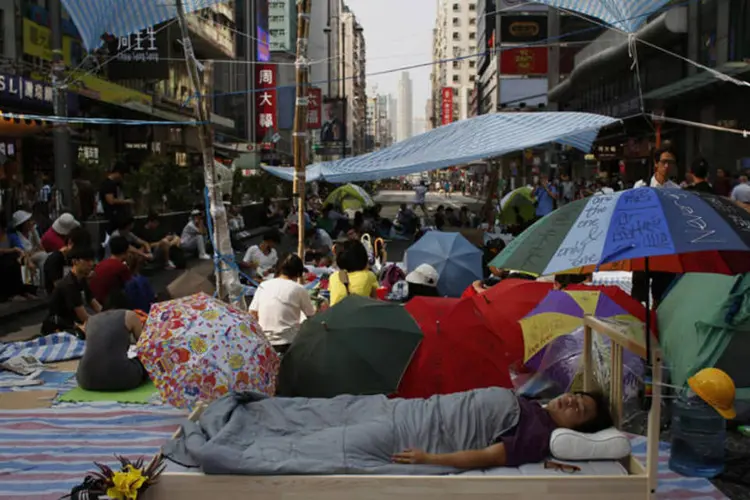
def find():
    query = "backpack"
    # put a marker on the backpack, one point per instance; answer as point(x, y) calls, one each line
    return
point(390, 275)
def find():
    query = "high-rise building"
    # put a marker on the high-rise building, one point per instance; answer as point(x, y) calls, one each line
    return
point(393, 115)
point(455, 45)
point(353, 64)
point(404, 106)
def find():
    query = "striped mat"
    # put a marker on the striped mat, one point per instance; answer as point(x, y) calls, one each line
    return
point(48, 349)
point(44, 453)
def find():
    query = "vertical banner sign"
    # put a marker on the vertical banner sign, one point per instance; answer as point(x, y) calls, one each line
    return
point(314, 107)
point(447, 105)
point(265, 100)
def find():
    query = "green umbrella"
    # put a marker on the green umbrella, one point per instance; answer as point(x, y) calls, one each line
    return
point(359, 346)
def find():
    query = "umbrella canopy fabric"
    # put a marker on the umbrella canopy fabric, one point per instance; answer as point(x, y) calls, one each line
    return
point(459, 352)
point(198, 348)
point(562, 312)
point(350, 197)
point(457, 261)
point(626, 15)
point(503, 305)
point(481, 137)
point(679, 231)
point(95, 18)
point(517, 204)
point(358, 346)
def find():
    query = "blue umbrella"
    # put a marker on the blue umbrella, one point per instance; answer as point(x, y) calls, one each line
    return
point(458, 262)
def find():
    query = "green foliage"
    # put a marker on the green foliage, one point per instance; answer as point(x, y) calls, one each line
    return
point(257, 187)
point(159, 184)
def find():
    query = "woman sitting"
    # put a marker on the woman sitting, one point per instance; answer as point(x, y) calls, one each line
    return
point(354, 277)
point(12, 285)
point(279, 303)
point(27, 239)
point(105, 365)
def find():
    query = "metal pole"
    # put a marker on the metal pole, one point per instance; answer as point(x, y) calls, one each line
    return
point(300, 119)
point(343, 90)
point(227, 278)
point(330, 61)
point(63, 160)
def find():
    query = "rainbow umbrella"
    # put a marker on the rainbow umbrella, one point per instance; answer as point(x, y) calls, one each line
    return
point(561, 313)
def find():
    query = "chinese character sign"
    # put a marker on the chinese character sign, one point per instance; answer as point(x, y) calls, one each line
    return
point(141, 55)
point(265, 100)
point(447, 105)
point(16, 88)
point(314, 107)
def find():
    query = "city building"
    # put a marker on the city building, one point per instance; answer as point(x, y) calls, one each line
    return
point(405, 112)
point(379, 128)
point(353, 63)
point(716, 34)
point(455, 61)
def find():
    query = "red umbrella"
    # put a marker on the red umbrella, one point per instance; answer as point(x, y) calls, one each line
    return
point(459, 350)
point(503, 305)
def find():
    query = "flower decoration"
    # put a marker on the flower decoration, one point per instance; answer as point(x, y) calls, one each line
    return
point(126, 484)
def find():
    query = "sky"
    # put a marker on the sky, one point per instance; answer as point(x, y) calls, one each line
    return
point(398, 33)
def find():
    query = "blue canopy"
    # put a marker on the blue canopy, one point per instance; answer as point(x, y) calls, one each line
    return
point(95, 18)
point(478, 138)
point(457, 261)
point(626, 15)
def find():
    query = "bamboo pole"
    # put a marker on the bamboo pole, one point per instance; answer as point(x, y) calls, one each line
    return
point(300, 120)
point(227, 278)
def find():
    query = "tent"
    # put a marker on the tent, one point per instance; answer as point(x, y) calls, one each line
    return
point(704, 321)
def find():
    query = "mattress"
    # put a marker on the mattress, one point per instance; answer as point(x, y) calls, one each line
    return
point(599, 468)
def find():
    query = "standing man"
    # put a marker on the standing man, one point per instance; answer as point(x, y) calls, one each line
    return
point(420, 192)
point(545, 196)
point(700, 177)
point(114, 204)
point(567, 186)
point(723, 184)
point(664, 159)
point(742, 180)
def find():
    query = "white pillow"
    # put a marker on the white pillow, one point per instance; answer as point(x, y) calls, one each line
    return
point(609, 444)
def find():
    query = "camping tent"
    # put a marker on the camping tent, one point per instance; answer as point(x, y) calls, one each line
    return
point(704, 321)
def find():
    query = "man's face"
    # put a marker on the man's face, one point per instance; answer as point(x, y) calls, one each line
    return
point(330, 115)
point(83, 267)
point(572, 410)
point(743, 179)
point(720, 173)
point(665, 161)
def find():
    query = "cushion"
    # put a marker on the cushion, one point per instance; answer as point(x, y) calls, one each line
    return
point(609, 444)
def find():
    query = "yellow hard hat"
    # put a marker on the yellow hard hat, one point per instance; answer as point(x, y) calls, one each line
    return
point(716, 388)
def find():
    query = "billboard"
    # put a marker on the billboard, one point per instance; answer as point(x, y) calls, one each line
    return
point(332, 139)
point(446, 105)
point(140, 55)
point(523, 29)
point(265, 101)
point(263, 39)
point(314, 107)
point(524, 61)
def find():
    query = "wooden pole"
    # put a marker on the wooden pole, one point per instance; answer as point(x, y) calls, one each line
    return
point(300, 120)
point(227, 277)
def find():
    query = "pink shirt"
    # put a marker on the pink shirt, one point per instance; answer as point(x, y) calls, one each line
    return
point(51, 241)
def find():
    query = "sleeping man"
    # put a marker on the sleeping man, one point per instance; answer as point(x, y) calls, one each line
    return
point(254, 435)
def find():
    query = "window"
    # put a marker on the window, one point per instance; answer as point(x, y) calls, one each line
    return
point(456, 35)
point(456, 64)
point(472, 36)
point(455, 91)
point(472, 63)
point(455, 78)
point(472, 7)
point(472, 78)
point(456, 21)
point(473, 49)
point(473, 21)
point(2, 33)
point(456, 7)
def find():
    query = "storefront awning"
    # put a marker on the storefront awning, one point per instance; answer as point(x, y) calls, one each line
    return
point(697, 81)
point(459, 143)
point(15, 125)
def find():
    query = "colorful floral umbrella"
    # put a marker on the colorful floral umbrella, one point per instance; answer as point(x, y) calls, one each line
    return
point(562, 312)
point(678, 231)
point(198, 348)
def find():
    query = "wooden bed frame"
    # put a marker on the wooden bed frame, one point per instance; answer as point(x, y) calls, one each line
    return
point(640, 484)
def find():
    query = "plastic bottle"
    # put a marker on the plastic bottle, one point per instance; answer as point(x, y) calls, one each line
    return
point(698, 437)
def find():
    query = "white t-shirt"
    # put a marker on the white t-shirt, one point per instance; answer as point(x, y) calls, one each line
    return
point(420, 192)
point(264, 263)
point(190, 234)
point(655, 184)
point(280, 304)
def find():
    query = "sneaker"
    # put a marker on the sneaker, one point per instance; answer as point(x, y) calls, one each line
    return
point(205, 256)
point(170, 265)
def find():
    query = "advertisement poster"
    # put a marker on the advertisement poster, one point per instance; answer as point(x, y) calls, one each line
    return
point(332, 139)
point(265, 101)
point(447, 105)
point(314, 107)
point(524, 61)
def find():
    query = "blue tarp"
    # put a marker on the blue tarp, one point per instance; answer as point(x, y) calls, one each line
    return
point(461, 142)
point(626, 15)
point(94, 18)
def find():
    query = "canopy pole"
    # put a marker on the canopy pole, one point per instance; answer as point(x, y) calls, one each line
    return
point(226, 276)
point(300, 120)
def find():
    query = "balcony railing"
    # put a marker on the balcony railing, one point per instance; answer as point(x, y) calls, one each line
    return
point(217, 35)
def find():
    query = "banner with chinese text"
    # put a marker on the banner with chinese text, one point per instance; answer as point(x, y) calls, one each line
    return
point(265, 101)
point(141, 55)
point(524, 61)
point(447, 105)
point(314, 107)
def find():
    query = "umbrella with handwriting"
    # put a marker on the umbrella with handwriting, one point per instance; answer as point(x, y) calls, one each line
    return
point(673, 230)
point(198, 348)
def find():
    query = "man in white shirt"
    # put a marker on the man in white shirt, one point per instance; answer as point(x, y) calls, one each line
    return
point(664, 159)
point(192, 238)
point(420, 192)
point(261, 259)
point(743, 181)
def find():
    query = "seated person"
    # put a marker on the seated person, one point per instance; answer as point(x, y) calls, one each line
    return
point(26, 238)
point(422, 282)
point(354, 277)
point(55, 266)
point(107, 284)
point(407, 221)
point(440, 217)
point(319, 241)
point(528, 441)
point(261, 259)
point(11, 285)
point(54, 238)
point(139, 293)
point(166, 247)
point(279, 303)
point(105, 365)
point(67, 312)
point(234, 217)
point(193, 238)
point(137, 246)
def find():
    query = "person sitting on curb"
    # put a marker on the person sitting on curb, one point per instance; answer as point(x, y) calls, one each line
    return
point(166, 247)
point(107, 284)
point(261, 259)
point(57, 262)
point(193, 238)
point(54, 238)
